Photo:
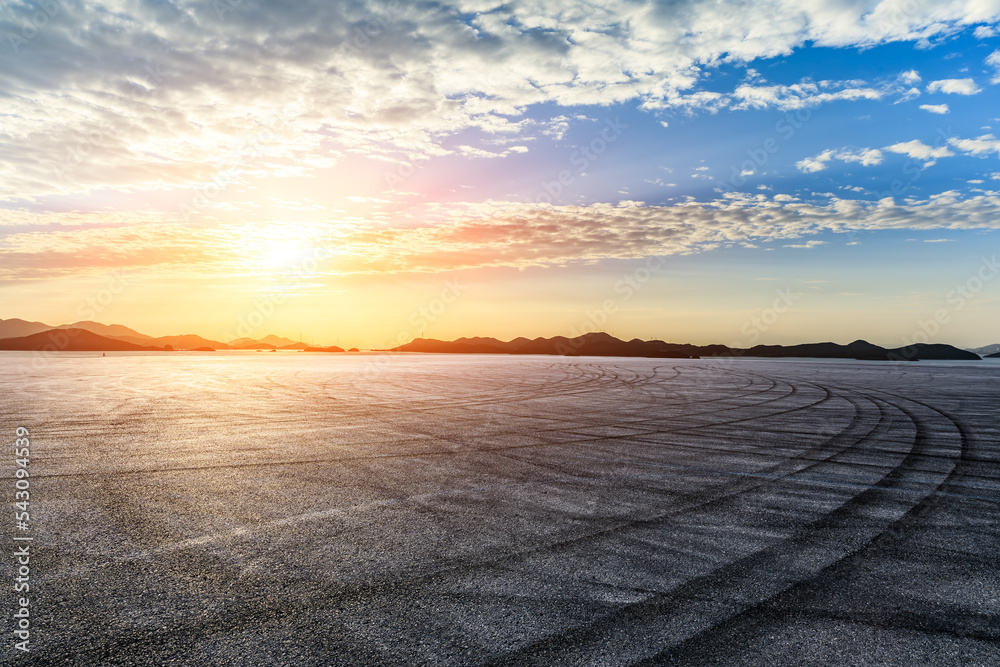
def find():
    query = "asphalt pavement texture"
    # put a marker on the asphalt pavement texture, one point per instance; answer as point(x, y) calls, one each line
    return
point(500, 510)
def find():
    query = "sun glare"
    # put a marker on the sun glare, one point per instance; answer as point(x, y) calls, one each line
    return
point(282, 255)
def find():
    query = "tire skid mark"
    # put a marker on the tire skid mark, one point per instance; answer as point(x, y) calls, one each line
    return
point(977, 626)
point(705, 603)
point(465, 566)
point(885, 492)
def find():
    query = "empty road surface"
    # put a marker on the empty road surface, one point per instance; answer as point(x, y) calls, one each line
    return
point(237, 508)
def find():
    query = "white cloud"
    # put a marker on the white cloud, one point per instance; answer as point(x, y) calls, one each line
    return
point(557, 127)
point(807, 245)
point(910, 77)
point(919, 150)
point(980, 146)
point(908, 95)
point(984, 32)
point(472, 151)
point(802, 95)
point(866, 157)
point(813, 164)
point(954, 86)
point(993, 60)
point(661, 183)
point(939, 240)
point(935, 108)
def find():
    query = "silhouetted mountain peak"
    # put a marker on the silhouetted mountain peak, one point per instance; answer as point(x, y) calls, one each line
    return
point(107, 330)
point(72, 340)
point(600, 337)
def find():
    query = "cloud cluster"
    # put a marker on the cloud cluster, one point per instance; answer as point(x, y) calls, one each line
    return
point(982, 146)
point(476, 235)
point(954, 87)
point(866, 157)
point(918, 150)
point(147, 95)
point(806, 94)
point(993, 60)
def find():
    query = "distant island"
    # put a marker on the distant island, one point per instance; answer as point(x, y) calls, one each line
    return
point(605, 345)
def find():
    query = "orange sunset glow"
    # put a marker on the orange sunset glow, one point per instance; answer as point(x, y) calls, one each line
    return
point(350, 165)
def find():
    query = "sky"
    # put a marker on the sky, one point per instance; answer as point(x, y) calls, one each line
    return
point(364, 172)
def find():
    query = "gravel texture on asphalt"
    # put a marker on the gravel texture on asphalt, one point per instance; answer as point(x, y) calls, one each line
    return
point(498, 510)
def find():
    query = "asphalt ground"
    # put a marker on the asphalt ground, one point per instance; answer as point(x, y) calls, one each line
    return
point(493, 510)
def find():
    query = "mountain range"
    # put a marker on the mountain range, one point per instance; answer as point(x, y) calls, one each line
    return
point(602, 345)
point(16, 328)
point(73, 340)
point(17, 334)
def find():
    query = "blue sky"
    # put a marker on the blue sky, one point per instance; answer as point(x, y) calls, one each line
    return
point(647, 157)
point(847, 151)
